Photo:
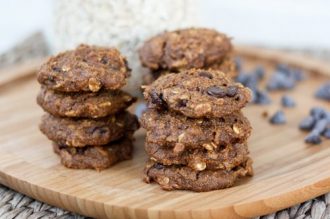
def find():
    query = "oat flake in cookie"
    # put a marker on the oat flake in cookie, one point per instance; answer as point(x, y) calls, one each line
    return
point(177, 131)
point(184, 49)
point(182, 177)
point(84, 104)
point(87, 68)
point(197, 93)
point(84, 132)
point(95, 157)
point(225, 157)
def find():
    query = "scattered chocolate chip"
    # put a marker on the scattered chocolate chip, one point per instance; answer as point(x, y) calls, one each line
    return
point(323, 92)
point(288, 101)
point(313, 138)
point(205, 74)
point(317, 112)
point(216, 91)
point(320, 126)
point(232, 91)
point(307, 123)
point(326, 133)
point(280, 81)
point(260, 97)
point(259, 72)
point(278, 118)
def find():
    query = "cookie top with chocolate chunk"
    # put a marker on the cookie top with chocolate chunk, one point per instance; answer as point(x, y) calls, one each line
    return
point(197, 93)
point(184, 49)
point(87, 68)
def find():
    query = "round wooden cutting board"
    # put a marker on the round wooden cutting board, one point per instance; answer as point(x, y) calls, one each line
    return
point(287, 171)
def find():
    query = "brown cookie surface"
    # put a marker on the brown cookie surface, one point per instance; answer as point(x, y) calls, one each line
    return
point(197, 93)
point(95, 157)
point(224, 158)
point(84, 104)
point(83, 132)
point(185, 49)
point(227, 66)
point(184, 178)
point(87, 68)
point(174, 129)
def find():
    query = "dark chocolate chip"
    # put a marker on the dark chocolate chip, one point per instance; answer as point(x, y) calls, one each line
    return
point(287, 101)
point(56, 69)
point(261, 97)
point(216, 91)
point(326, 133)
point(278, 118)
point(157, 99)
point(323, 92)
point(313, 138)
point(182, 103)
point(307, 123)
point(104, 60)
point(98, 130)
point(232, 91)
point(205, 74)
point(259, 72)
point(318, 112)
point(158, 166)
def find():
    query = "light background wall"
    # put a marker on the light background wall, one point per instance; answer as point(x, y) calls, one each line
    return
point(293, 24)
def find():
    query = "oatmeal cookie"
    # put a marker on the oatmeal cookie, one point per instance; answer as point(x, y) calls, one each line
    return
point(87, 68)
point(85, 104)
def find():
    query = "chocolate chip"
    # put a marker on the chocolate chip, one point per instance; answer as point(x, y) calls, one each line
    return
point(157, 98)
point(307, 123)
point(104, 60)
point(158, 166)
point(57, 69)
point(323, 92)
point(205, 74)
point(326, 133)
point(182, 103)
point(98, 130)
point(317, 112)
point(313, 138)
point(287, 101)
point(278, 118)
point(216, 91)
point(232, 91)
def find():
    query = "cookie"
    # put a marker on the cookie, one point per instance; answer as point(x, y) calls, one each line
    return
point(185, 49)
point(83, 132)
point(197, 93)
point(95, 157)
point(87, 68)
point(224, 158)
point(85, 104)
point(184, 178)
point(227, 66)
point(176, 130)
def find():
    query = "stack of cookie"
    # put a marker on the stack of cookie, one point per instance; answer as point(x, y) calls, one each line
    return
point(86, 110)
point(186, 49)
point(196, 133)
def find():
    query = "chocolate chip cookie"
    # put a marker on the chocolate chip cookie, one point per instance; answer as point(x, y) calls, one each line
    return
point(176, 130)
point(184, 178)
point(225, 157)
point(86, 104)
point(197, 93)
point(185, 49)
point(95, 157)
point(87, 68)
point(84, 132)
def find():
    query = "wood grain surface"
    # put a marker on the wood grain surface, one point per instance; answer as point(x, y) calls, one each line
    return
point(287, 171)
